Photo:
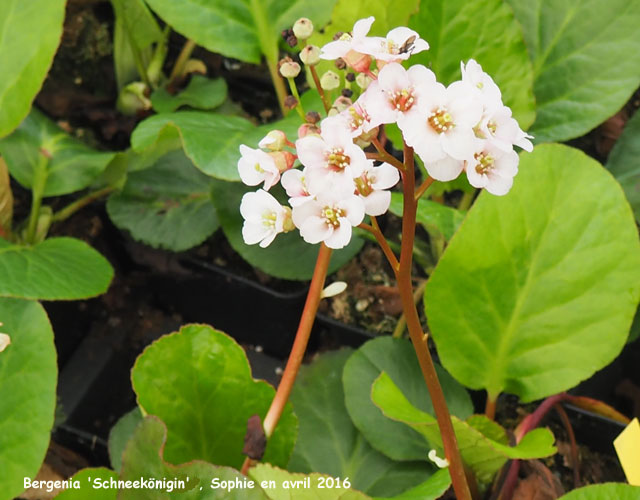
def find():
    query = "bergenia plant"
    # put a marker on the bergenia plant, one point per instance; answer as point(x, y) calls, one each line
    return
point(343, 173)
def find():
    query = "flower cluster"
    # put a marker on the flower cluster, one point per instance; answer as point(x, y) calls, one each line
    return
point(461, 127)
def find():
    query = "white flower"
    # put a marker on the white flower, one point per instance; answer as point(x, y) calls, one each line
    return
point(256, 166)
point(473, 74)
point(264, 218)
point(492, 168)
point(295, 184)
point(503, 130)
point(398, 45)
point(329, 218)
point(275, 140)
point(372, 185)
point(5, 340)
point(348, 46)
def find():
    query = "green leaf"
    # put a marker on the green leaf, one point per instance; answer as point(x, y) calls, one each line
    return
point(29, 36)
point(86, 478)
point(72, 165)
point(318, 488)
point(28, 377)
point(201, 93)
point(476, 437)
point(329, 443)
point(624, 162)
point(56, 269)
point(168, 205)
point(6, 198)
point(537, 289)
point(120, 435)
point(585, 56)
point(431, 489)
point(245, 29)
point(606, 491)
point(198, 381)
point(433, 216)
point(141, 26)
point(396, 357)
point(289, 256)
point(459, 30)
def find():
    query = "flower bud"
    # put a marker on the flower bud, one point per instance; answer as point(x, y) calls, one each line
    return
point(5, 340)
point(289, 68)
point(330, 81)
point(308, 129)
point(303, 28)
point(342, 103)
point(363, 81)
point(287, 221)
point(284, 160)
point(310, 55)
point(274, 140)
point(290, 102)
point(312, 117)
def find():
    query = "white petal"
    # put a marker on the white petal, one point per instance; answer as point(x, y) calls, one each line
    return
point(315, 229)
point(253, 233)
point(334, 50)
point(499, 185)
point(5, 340)
point(362, 27)
point(386, 176)
point(354, 209)
point(341, 236)
point(445, 169)
point(393, 77)
point(311, 151)
point(377, 203)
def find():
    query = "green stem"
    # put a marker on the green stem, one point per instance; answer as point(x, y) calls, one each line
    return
point(466, 200)
point(73, 207)
point(294, 91)
point(183, 57)
point(278, 85)
point(37, 190)
point(137, 58)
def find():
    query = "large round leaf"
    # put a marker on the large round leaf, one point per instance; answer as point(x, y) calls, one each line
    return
point(28, 376)
point(624, 162)
point(586, 55)
point(459, 30)
point(606, 491)
point(398, 359)
point(198, 381)
point(29, 36)
point(537, 289)
point(56, 269)
point(289, 256)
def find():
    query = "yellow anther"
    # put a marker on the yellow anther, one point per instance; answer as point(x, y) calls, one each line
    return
point(441, 120)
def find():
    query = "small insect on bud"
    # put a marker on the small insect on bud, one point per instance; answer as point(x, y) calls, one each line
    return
point(290, 102)
point(330, 81)
point(363, 80)
point(303, 28)
point(340, 64)
point(289, 68)
point(347, 92)
point(310, 55)
point(274, 140)
point(313, 117)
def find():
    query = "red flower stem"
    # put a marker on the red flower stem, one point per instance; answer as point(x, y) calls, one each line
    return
point(384, 244)
point(490, 408)
point(323, 95)
point(299, 346)
point(419, 339)
point(423, 187)
point(385, 156)
point(575, 458)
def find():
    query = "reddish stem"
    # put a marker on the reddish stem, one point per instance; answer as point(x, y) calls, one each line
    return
point(323, 96)
point(386, 249)
point(575, 458)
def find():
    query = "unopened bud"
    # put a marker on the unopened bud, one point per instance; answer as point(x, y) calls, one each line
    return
point(342, 103)
point(310, 55)
point(330, 81)
point(335, 288)
point(312, 117)
point(287, 222)
point(308, 129)
point(347, 92)
point(340, 64)
point(290, 102)
point(292, 41)
point(195, 66)
point(303, 28)
point(350, 77)
point(363, 81)
point(274, 140)
point(5, 340)
point(284, 160)
point(133, 98)
point(289, 68)
point(364, 139)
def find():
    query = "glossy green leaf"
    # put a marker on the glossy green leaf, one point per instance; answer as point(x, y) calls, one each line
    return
point(120, 435)
point(29, 36)
point(56, 269)
point(431, 489)
point(433, 216)
point(480, 449)
point(459, 30)
point(606, 491)
point(167, 206)
point(28, 377)
point(86, 479)
point(585, 57)
point(396, 357)
point(329, 443)
point(317, 489)
point(537, 289)
point(245, 29)
point(198, 381)
point(624, 162)
point(201, 93)
point(289, 256)
point(72, 165)
point(6, 198)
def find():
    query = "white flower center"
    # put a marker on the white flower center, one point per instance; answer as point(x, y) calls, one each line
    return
point(363, 184)
point(441, 120)
point(269, 219)
point(336, 159)
point(486, 162)
point(402, 100)
point(258, 168)
point(331, 215)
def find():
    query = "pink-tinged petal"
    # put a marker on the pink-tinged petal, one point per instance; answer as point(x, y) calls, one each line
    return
point(311, 151)
point(393, 77)
point(253, 233)
point(301, 213)
point(460, 143)
point(358, 160)
point(499, 185)
point(446, 169)
point(353, 207)
point(293, 183)
point(315, 229)
point(270, 179)
point(361, 28)
point(423, 139)
point(377, 203)
point(421, 75)
point(341, 236)
point(379, 106)
point(336, 132)
point(334, 50)
point(386, 176)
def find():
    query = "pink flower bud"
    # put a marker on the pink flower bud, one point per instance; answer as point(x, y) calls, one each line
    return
point(274, 140)
point(284, 160)
point(308, 129)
